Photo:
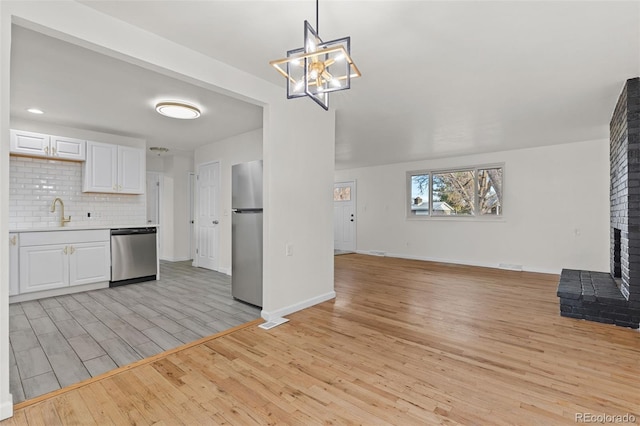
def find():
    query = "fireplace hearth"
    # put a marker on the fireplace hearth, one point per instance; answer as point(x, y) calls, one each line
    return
point(614, 297)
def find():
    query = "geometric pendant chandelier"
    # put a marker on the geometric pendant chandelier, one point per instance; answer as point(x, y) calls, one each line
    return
point(318, 68)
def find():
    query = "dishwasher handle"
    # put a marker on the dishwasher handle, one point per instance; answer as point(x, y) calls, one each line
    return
point(133, 231)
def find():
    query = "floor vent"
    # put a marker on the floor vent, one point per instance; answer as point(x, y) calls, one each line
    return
point(273, 323)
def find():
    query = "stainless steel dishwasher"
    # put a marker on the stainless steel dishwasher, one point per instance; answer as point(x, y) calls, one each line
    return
point(134, 257)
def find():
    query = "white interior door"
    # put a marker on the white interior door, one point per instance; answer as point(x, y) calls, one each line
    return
point(153, 197)
point(344, 216)
point(153, 204)
point(192, 219)
point(208, 190)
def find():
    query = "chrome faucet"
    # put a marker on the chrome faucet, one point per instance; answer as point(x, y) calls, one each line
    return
point(53, 209)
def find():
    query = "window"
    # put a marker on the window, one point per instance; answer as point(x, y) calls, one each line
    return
point(342, 193)
point(457, 192)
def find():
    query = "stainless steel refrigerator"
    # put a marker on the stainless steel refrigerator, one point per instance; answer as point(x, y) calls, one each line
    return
point(246, 232)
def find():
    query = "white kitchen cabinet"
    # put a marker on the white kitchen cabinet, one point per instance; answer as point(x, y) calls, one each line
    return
point(89, 263)
point(114, 169)
point(40, 145)
point(51, 260)
point(14, 248)
point(68, 148)
point(43, 267)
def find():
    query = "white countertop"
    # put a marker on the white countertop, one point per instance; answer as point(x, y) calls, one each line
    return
point(83, 228)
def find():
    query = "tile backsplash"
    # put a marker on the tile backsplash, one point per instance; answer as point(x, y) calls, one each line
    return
point(35, 182)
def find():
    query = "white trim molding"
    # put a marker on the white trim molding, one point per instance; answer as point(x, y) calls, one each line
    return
point(269, 316)
point(6, 408)
point(524, 268)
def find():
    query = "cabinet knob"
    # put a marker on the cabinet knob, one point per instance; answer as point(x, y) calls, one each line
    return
point(46, 150)
point(115, 187)
point(13, 240)
point(53, 150)
point(72, 250)
point(65, 250)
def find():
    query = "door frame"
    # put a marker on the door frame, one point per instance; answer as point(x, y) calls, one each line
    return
point(191, 177)
point(160, 177)
point(354, 198)
point(196, 215)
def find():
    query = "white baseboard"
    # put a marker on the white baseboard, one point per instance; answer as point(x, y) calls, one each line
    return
point(175, 259)
point(226, 271)
point(6, 408)
point(271, 315)
point(458, 262)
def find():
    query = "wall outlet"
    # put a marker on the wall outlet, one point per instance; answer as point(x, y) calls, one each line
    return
point(288, 249)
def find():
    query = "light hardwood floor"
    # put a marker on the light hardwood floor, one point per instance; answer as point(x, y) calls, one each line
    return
point(405, 342)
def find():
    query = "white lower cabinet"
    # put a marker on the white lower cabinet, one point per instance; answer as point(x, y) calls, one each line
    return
point(43, 267)
point(50, 260)
point(14, 265)
point(89, 263)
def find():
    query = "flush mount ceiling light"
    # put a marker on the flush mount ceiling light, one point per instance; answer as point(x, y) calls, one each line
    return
point(319, 67)
point(181, 110)
point(35, 111)
point(159, 149)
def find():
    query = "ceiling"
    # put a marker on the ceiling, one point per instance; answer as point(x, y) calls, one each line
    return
point(439, 78)
point(80, 88)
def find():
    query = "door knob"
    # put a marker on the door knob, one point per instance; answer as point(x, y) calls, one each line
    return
point(215, 222)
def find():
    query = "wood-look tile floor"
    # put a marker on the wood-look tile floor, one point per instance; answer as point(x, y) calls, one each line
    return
point(58, 341)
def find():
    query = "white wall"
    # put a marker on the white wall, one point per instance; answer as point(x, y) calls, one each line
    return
point(230, 151)
point(6, 402)
point(289, 151)
point(298, 166)
point(556, 211)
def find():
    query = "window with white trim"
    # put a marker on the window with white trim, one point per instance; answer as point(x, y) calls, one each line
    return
point(459, 192)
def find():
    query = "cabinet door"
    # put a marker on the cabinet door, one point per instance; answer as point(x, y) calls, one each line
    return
point(68, 148)
point(89, 263)
point(131, 170)
point(14, 266)
point(43, 267)
point(29, 143)
point(100, 172)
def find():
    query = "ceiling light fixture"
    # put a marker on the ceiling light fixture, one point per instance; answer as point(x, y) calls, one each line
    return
point(319, 67)
point(159, 149)
point(175, 109)
point(35, 111)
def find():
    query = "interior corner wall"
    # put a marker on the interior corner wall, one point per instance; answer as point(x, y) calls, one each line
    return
point(556, 211)
point(237, 149)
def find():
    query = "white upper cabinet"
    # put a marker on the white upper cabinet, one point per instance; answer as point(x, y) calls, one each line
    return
point(41, 145)
point(114, 168)
point(68, 148)
point(131, 170)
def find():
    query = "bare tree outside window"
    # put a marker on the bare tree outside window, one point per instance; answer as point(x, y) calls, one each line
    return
point(459, 192)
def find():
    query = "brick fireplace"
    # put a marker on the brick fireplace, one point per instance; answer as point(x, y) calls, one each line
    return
point(615, 297)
